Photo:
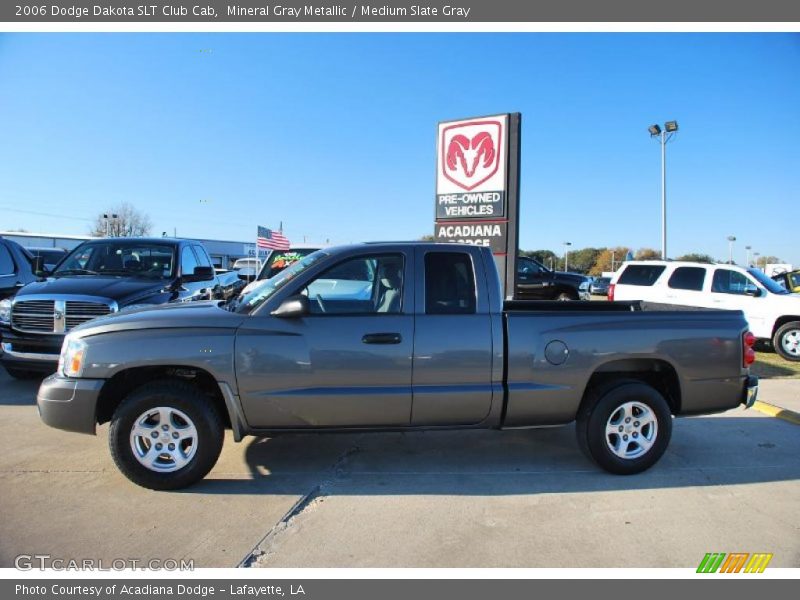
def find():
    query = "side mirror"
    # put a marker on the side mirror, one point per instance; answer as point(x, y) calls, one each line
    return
point(200, 274)
point(38, 266)
point(292, 308)
point(752, 290)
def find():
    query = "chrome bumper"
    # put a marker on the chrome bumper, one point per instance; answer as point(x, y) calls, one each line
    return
point(750, 391)
point(9, 350)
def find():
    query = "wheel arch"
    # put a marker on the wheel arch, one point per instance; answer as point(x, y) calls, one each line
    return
point(783, 320)
point(656, 372)
point(126, 381)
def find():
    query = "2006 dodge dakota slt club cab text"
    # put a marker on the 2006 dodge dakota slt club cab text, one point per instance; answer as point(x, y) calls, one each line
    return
point(390, 336)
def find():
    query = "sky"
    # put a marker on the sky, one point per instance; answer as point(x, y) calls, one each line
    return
point(334, 135)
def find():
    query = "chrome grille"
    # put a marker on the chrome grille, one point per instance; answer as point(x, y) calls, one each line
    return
point(55, 316)
point(33, 315)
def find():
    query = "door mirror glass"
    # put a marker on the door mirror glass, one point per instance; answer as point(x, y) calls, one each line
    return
point(200, 274)
point(752, 290)
point(292, 308)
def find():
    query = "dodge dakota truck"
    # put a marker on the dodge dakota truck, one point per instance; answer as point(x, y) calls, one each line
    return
point(390, 336)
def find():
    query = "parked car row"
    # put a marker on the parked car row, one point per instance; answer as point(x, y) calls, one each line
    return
point(772, 311)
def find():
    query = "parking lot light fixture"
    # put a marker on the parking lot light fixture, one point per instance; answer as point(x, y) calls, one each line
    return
point(731, 239)
point(566, 255)
point(747, 259)
point(663, 136)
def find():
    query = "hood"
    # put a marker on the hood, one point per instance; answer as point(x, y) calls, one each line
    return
point(564, 276)
point(208, 314)
point(121, 289)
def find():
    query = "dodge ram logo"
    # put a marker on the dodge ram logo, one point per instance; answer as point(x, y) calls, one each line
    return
point(470, 152)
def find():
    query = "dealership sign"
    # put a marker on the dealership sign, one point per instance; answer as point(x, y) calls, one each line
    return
point(477, 186)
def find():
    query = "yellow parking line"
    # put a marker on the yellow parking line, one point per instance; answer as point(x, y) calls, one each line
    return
point(776, 411)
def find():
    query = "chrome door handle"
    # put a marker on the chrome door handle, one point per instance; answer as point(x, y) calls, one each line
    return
point(382, 338)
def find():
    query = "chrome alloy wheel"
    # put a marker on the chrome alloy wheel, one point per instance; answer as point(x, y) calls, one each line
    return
point(631, 430)
point(790, 342)
point(163, 439)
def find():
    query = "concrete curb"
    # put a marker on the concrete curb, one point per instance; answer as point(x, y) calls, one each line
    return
point(776, 411)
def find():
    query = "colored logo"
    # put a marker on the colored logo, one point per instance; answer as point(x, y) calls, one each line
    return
point(735, 562)
point(471, 152)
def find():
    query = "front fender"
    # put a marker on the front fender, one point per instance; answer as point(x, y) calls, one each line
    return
point(209, 349)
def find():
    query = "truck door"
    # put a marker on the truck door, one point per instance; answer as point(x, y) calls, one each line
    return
point(452, 343)
point(345, 364)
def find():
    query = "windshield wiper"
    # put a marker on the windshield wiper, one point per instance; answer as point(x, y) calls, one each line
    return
point(75, 272)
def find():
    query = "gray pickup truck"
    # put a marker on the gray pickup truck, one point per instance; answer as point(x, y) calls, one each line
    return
point(390, 336)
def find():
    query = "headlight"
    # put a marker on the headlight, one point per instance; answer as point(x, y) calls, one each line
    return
point(73, 353)
point(584, 286)
point(5, 311)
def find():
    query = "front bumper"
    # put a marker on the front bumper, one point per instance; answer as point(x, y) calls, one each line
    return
point(30, 352)
point(750, 394)
point(584, 295)
point(69, 404)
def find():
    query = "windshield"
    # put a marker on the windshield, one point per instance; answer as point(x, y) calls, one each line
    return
point(121, 258)
point(768, 283)
point(266, 288)
point(281, 259)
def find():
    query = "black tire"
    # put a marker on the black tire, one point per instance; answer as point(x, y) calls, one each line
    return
point(24, 373)
point(172, 394)
point(564, 296)
point(601, 404)
point(784, 336)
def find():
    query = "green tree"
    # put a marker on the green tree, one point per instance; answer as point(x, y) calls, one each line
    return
point(427, 238)
point(697, 257)
point(582, 261)
point(546, 257)
point(647, 254)
point(606, 257)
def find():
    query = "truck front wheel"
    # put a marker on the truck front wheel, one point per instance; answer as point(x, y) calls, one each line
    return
point(624, 427)
point(787, 341)
point(166, 435)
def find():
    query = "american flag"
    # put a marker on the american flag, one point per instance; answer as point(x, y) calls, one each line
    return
point(272, 240)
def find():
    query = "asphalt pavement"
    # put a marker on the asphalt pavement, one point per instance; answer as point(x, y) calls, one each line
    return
point(728, 483)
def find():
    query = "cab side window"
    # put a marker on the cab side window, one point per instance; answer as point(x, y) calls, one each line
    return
point(202, 257)
point(188, 261)
point(449, 284)
point(6, 264)
point(359, 286)
point(730, 282)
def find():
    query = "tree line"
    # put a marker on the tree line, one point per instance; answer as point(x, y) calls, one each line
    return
point(595, 261)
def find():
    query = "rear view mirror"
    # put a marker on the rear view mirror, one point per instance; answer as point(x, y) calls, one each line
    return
point(752, 290)
point(292, 308)
point(200, 274)
point(38, 266)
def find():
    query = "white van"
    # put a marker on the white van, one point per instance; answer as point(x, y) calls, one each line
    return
point(772, 312)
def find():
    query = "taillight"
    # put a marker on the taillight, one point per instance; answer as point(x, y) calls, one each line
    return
point(611, 291)
point(748, 354)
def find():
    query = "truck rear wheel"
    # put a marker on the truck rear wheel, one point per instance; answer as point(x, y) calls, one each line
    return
point(624, 427)
point(787, 341)
point(166, 435)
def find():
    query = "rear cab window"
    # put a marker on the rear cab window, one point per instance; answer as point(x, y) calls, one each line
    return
point(642, 275)
point(449, 284)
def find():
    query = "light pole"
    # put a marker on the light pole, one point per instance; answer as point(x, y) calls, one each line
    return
point(108, 220)
point(566, 255)
point(731, 239)
point(747, 260)
point(663, 136)
point(755, 257)
point(612, 262)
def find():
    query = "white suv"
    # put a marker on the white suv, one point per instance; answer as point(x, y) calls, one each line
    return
point(772, 312)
